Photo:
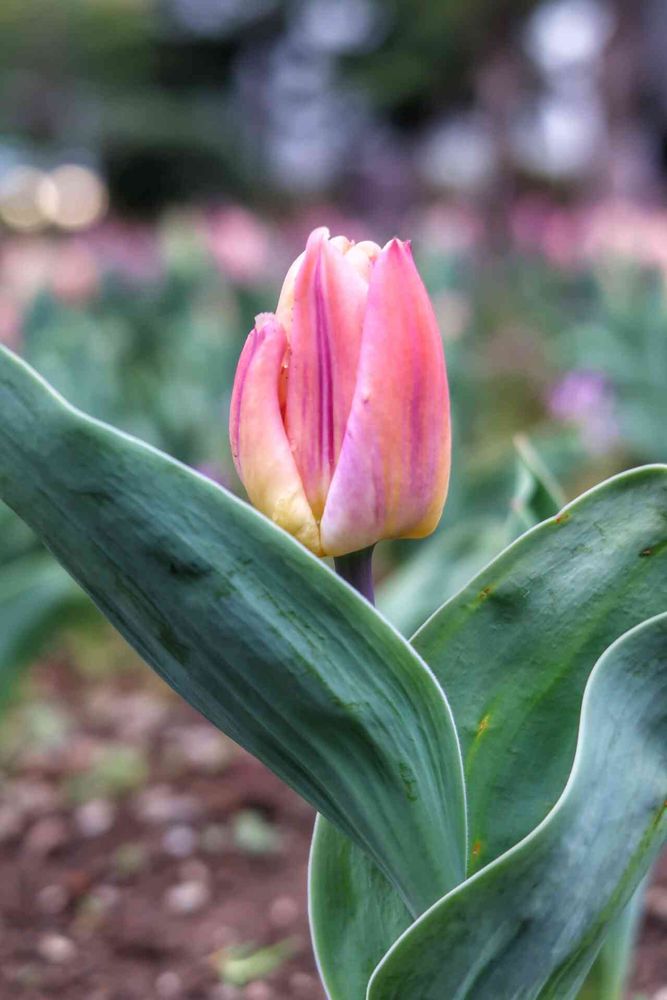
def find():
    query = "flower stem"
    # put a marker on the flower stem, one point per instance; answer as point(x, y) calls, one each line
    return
point(357, 569)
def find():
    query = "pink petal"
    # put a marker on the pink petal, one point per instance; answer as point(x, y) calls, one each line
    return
point(393, 470)
point(327, 319)
point(260, 447)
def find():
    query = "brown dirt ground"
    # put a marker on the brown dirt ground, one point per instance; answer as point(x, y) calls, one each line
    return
point(135, 874)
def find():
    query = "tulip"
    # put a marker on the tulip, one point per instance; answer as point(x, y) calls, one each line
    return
point(340, 426)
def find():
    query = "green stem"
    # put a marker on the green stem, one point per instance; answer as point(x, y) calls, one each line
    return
point(357, 569)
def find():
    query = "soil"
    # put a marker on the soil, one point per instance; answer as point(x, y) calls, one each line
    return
point(143, 855)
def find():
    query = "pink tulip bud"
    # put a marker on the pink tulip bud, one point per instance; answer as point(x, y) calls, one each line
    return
point(340, 424)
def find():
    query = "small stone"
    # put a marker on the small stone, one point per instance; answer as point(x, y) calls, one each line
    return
point(283, 911)
point(180, 841)
point(46, 836)
point(52, 899)
point(224, 991)
point(187, 897)
point(302, 984)
point(95, 818)
point(56, 948)
point(134, 716)
point(33, 799)
point(203, 748)
point(160, 805)
point(258, 991)
point(168, 985)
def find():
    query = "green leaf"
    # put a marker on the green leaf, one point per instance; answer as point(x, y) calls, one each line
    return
point(250, 628)
point(355, 914)
point(439, 569)
point(608, 976)
point(530, 924)
point(537, 494)
point(514, 650)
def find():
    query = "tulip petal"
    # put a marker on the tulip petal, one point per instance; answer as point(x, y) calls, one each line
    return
point(392, 473)
point(260, 447)
point(327, 319)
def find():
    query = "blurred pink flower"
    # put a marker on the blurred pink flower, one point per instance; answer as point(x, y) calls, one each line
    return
point(631, 232)
point(75, 277)
point(240, 244)
point(129, 248)
point(445, 228)
point(538, 226)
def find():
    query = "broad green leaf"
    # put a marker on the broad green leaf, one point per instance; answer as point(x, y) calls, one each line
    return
point(530, 924)
point(523, 637)
point(444, 565)
point(515, 648)
point(355, 914)
point(608, 976)
point(250, 628)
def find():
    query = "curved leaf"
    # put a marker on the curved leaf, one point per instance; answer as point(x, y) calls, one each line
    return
point(530, 924)
point(250, 628)
point(514, 649)
point(523, 637)
point(355, 914)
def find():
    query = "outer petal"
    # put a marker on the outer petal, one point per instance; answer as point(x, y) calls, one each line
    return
point(392, 475)
point(327, 319)
point(260, 447)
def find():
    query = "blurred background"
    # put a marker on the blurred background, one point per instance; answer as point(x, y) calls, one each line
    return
point(161, 163)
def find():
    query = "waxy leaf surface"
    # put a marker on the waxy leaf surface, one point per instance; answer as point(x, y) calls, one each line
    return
point(250, 628)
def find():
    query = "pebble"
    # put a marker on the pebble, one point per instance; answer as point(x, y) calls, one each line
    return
point(33, 798)
point(95, 818)
point(201, 747)
point(258, 991)
point(283, 911)
point(52, 899)
point(56, 948)
point(168, 985)
point(188, 897)
point(161, 805)
point(46, 836)
point(134, 716)
point(180, 841)
point(225, 992)
point(302, 984)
